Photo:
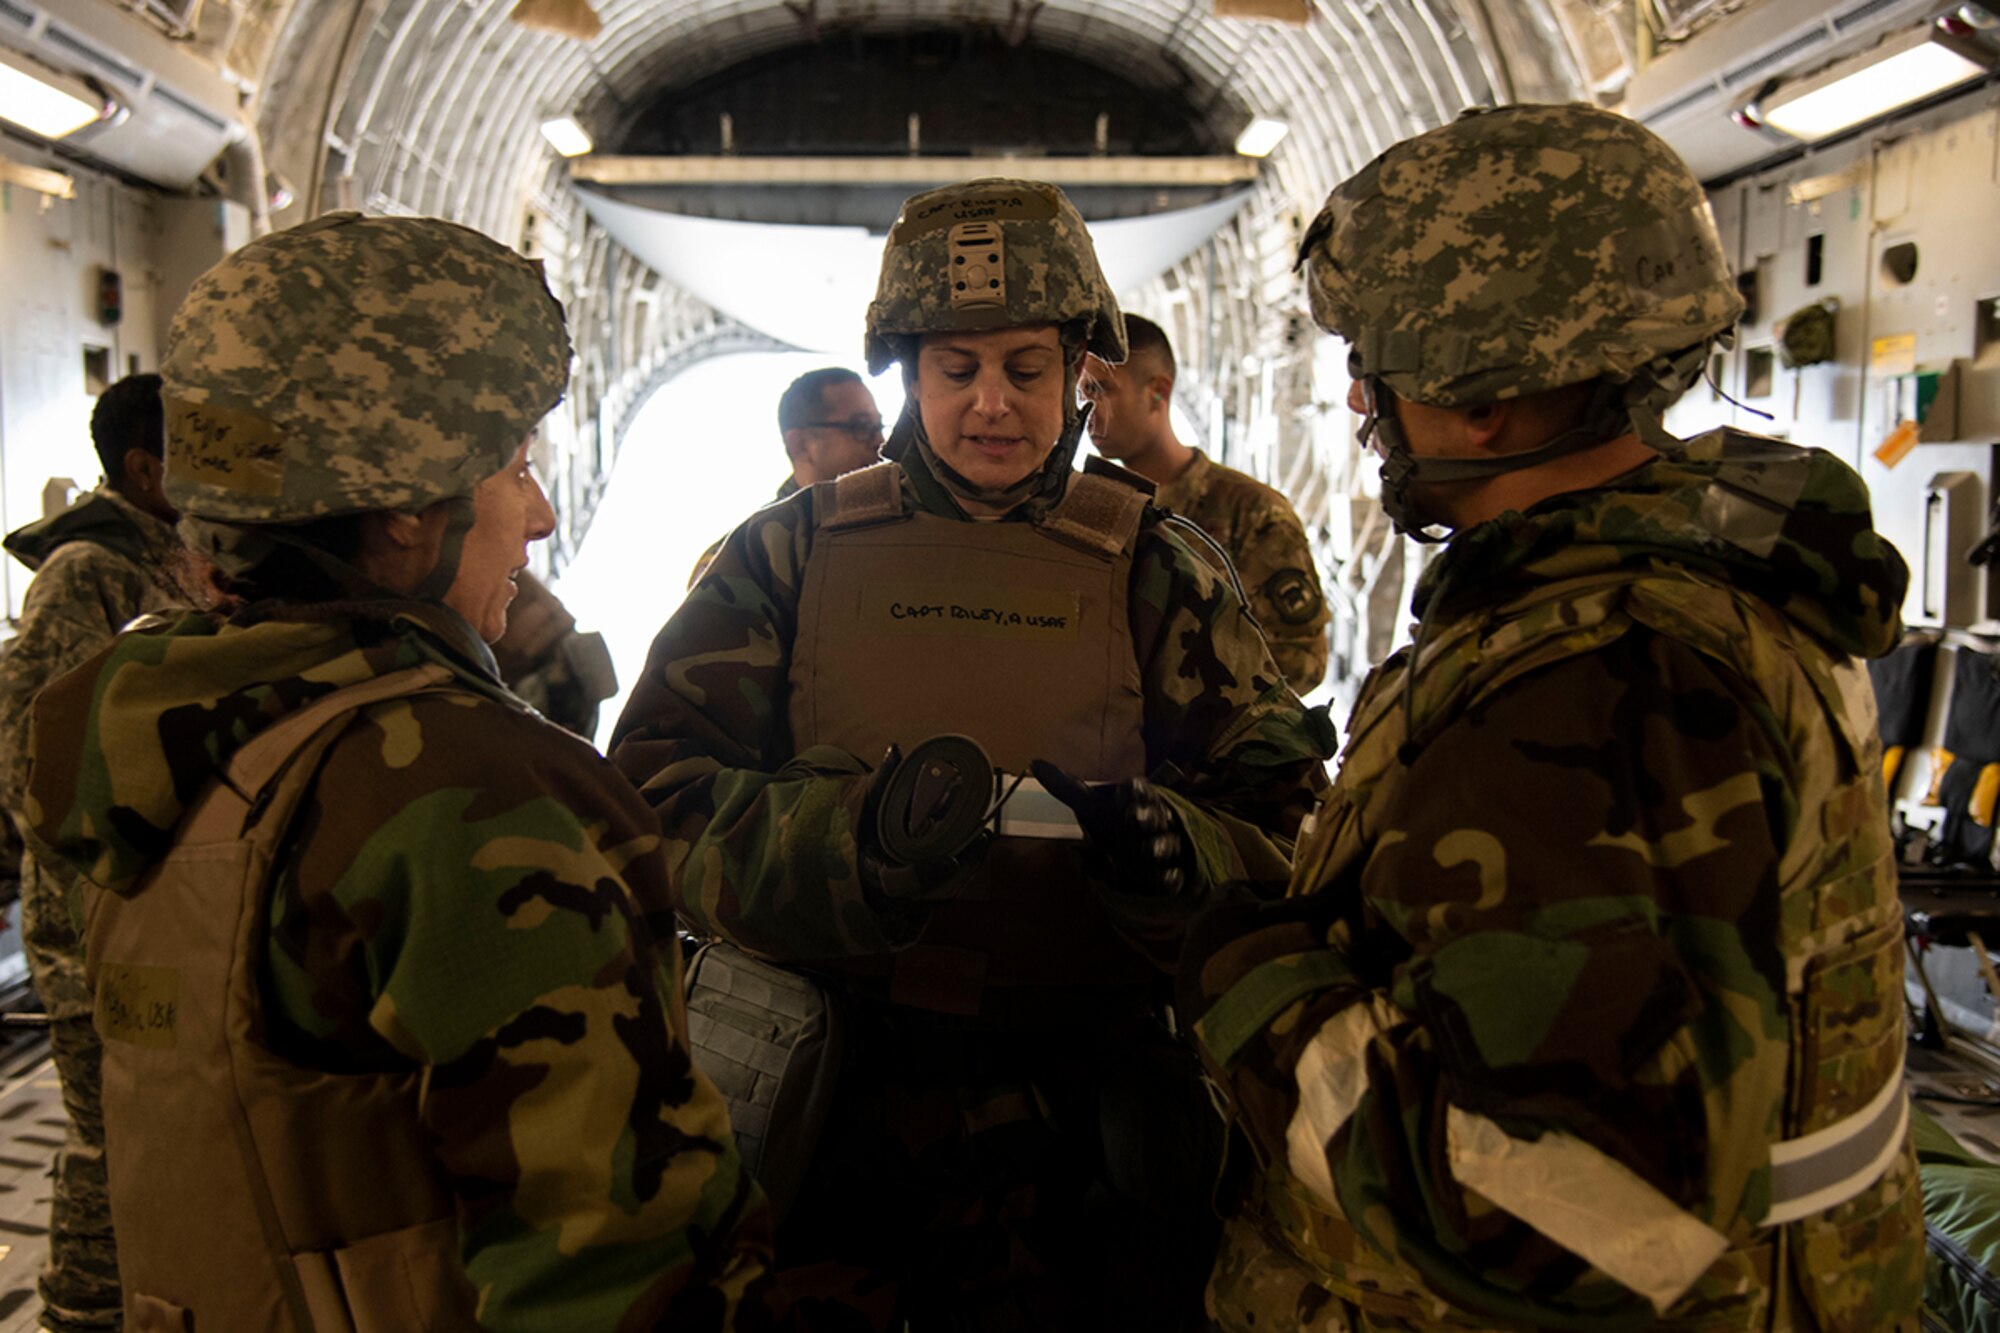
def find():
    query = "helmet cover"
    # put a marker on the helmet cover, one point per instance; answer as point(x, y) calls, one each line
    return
point(1519, 250)
point(356, 363)
point(991, 254)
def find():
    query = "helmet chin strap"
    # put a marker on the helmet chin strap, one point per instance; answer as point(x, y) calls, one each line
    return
point(967, 491)
point(451, 549)
point(237, 548)
point(1608, 418)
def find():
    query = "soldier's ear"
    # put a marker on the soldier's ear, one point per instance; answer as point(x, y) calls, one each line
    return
point(406, 531)
point(1485, 423)
point(144, 471)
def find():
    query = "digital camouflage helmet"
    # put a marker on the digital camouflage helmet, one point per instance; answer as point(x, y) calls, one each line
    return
point(353, 364)
point(991, 254)
point(1512, 252)
point(1518, 250)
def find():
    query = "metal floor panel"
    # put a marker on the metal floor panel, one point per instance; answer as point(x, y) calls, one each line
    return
point(1962, 1093)
point(31, 1129)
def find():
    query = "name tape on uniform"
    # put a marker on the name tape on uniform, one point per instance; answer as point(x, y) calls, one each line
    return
point(1012, 613)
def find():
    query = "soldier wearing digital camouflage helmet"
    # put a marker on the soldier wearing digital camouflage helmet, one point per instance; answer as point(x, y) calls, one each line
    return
point(384, 962)
point(1585, 1009)
point(1011, 1141)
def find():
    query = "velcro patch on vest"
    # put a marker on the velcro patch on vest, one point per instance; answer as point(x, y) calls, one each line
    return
point(138, 1004)
point(867, 495)
point(990, 612)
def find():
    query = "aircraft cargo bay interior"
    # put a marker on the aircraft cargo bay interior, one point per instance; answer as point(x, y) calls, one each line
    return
point(1358, 326)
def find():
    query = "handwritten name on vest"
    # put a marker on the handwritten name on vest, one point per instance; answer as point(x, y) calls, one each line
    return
point(1026, 613)
point(139, 1004)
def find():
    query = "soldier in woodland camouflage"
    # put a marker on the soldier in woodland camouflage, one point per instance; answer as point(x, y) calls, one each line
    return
point(383, 961)
point(1585, 1009)
point(100, 564)
point(564, 672)
point(1013, 1143)
point(1256, 528)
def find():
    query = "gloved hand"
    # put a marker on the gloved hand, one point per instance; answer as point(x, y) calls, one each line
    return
point(923, 820)
point(1132, 826)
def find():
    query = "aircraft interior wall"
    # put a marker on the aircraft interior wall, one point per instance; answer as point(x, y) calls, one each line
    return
point(1845, 226)
point(58, 349)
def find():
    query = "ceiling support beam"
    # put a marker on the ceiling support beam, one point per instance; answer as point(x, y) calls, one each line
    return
point(1153, 171)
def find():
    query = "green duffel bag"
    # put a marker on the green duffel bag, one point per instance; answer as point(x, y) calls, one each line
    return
point(1962, 1232)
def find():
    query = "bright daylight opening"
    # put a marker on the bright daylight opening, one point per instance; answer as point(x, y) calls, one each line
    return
point(701, 455)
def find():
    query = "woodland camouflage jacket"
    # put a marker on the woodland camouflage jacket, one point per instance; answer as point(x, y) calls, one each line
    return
point(472, 893)
point(762, 837)
point(1590, 864)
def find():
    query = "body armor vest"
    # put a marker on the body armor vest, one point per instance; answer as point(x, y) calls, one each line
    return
point(1015, 634)
point(1842, 1173)
point(250, 1193)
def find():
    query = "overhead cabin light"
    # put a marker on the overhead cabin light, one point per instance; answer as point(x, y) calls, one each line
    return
point(1260, 136)
point(1901, 69)
point(44, 101)
point(566, 136)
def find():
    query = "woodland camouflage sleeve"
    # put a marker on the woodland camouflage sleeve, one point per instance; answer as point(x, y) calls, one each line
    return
point(82, 596)
point(507, 927)
point(760, 841)
point(1547, 933)
point(1230, 744)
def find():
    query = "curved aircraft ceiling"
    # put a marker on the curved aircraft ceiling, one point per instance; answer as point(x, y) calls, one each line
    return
point(808, 285)
point(433, 106)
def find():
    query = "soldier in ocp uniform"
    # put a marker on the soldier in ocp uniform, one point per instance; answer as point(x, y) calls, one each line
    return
point(1254, 526)
point(1013, 1141)
point(1586, 1008)
point(383, 962)
point(99, 564)
point(830, 426)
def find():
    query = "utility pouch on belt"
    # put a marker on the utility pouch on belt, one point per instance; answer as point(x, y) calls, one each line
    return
point(771, 1040)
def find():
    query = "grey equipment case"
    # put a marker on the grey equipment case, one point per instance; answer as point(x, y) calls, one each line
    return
point(771, 1041)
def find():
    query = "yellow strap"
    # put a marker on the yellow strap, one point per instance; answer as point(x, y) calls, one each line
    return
point(1984, 792)
point(1940, 761)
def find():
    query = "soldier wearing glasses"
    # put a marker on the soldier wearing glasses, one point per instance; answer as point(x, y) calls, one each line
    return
point(831, 426)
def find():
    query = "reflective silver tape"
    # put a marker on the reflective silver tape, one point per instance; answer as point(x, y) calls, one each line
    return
point(1827, 1167)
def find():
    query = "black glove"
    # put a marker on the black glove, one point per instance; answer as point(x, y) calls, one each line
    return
point(1132, 826)
point(923, 821)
